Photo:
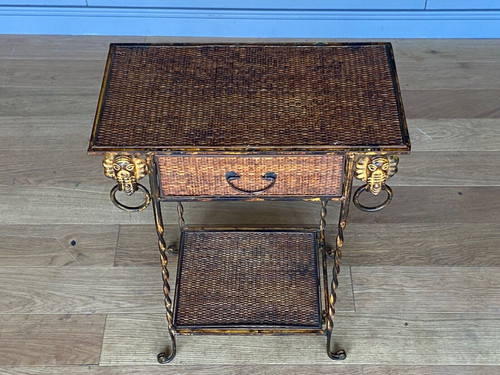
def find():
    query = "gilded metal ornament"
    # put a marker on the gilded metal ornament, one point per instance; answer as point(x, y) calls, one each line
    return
point(125, 169)
point(375, 170)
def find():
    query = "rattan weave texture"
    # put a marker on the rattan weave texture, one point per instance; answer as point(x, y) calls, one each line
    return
point(234, 278)
point(236, 96)
point(316, 175)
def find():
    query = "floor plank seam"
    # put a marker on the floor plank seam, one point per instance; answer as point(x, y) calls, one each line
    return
point(352, 289)
point(102, 339)
point(117, 244)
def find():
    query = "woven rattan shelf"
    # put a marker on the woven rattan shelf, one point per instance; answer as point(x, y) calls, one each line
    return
point(242, 121)
point(248, 281)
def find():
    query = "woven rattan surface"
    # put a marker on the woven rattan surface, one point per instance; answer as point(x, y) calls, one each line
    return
point(248, 278)
point(315, 175)
point(240, 97)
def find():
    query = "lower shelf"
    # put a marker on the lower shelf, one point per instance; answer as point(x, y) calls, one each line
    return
point(233, 281)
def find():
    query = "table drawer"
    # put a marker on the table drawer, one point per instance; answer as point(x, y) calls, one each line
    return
point(223, 175)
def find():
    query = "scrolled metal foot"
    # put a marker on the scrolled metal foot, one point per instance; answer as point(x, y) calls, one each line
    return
point(172, 249)
point(338, 355)
point(167, 356)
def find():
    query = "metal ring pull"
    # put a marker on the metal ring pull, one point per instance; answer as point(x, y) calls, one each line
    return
point(375, 208)
point(121, 206)
point(233, 176)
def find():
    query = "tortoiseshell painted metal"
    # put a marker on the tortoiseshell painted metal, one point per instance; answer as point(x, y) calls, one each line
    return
point(253, 122)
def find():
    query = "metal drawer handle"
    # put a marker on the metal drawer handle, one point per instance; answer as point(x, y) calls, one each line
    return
point(269, 176)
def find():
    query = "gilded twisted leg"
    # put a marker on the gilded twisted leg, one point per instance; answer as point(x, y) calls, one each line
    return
point(323, 251)
point(337, 255)
point(166, 356)
point(344, 207)
point(172, 248)
point(322, 225)
point(332, 298)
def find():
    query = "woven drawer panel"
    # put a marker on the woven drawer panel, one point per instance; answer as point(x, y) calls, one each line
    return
point(318, 175)
point(248, 278)
point(235, 96)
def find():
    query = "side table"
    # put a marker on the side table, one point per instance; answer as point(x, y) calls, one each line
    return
point(250, 122)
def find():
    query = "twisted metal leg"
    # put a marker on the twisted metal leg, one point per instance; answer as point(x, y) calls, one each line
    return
point(344, 207)
point(322, 225)
point(337, 255)
point(332, 298)
point(180, 216)
point(166, 356)
point(323, 251)
point(172, 248)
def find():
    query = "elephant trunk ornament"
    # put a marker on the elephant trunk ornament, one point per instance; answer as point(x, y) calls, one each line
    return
point(375, 170)
point(126, 170)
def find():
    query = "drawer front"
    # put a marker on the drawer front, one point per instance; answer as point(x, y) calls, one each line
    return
point(229, 176)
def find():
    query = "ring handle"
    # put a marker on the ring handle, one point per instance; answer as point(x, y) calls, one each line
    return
point(363, 188)
point(147, 200)
point(233, 176)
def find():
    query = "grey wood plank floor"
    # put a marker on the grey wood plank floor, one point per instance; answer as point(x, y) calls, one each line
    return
point(80, 284)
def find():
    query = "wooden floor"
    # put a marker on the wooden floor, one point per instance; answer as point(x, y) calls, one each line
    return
point(80, 283)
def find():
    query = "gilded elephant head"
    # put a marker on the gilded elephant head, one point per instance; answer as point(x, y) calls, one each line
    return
point(125, 169)
point(375, 170)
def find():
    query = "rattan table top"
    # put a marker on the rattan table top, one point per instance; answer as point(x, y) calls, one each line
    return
point(250, 97)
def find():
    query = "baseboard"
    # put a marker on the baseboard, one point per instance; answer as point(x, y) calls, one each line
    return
point(249, 23)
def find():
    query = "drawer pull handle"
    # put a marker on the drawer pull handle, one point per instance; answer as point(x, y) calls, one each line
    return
point(233, 176)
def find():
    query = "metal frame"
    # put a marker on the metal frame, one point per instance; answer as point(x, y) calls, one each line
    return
point(329, 294)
